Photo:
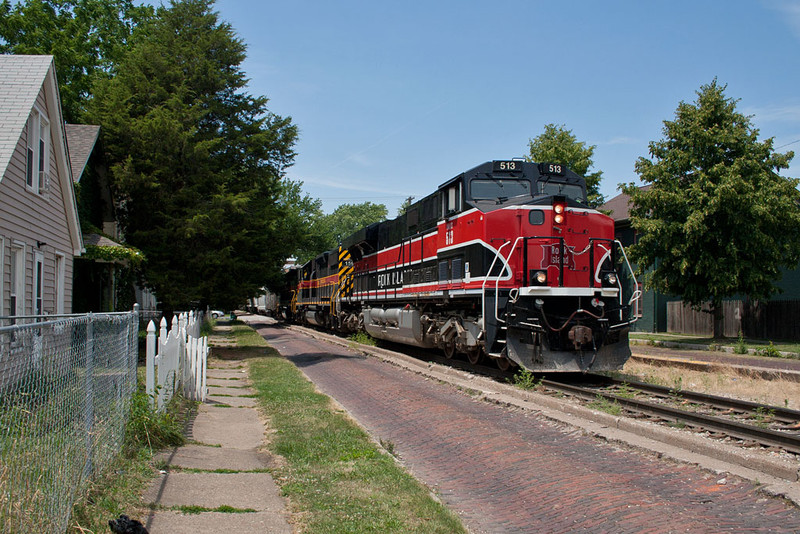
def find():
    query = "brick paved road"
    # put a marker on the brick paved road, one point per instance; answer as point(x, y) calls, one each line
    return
point(510, 471)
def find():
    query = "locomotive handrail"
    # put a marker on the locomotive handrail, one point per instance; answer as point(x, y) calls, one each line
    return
point(561, 256)
point(497, 281)
point(637, 293)
point(497, 285)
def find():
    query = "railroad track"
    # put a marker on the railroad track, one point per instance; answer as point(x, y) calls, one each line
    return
point(750, 422)
point(771, 426)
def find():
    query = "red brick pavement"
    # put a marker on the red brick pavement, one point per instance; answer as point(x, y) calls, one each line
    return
point(508, 470)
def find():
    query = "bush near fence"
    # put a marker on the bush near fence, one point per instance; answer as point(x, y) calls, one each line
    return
point(774, 319)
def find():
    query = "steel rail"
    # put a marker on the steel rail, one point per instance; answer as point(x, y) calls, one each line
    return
point(776, 412)
point(789, 442)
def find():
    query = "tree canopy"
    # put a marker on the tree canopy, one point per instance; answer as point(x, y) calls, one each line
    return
point(346, 220)
point(303, 223)
point(86, 38)
point(197, 164)
point(718, 219)
point(558, 145)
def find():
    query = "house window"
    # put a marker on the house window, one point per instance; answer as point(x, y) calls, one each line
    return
point(16, 277)
point(38, 284)
point(60, 276)
point(37, 172)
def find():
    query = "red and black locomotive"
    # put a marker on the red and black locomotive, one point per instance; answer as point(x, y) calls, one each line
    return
point(505, 260)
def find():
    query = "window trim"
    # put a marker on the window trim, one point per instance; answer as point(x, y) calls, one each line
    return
point(37, 284)
point(60, 290)
point(37, 153)
point(17, 283)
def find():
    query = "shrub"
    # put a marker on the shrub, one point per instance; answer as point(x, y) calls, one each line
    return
point(741, 346)
point(149, 428)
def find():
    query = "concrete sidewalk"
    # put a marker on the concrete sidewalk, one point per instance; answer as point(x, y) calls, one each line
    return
point(222, 465)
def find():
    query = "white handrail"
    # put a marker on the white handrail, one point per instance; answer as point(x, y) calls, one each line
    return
point(497, 280)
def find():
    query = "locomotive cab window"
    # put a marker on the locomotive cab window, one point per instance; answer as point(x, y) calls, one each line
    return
point(451, 199)
point(499, 191)
point(551, 188)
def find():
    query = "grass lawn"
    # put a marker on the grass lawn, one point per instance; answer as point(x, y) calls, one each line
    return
point(336, 478)
point(759, 345)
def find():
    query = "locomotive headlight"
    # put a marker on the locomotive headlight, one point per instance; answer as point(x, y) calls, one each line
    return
point(611, 279)
point(558, 209)
point(540, 277)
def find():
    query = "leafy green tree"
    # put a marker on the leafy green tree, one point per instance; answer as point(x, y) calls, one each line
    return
point(718, 220)
point(303, 215)
point(558, 145)
point(347, 219)
point(86, 38)
point(197, 164)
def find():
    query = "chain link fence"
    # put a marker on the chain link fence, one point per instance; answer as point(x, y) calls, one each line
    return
point(65, 392)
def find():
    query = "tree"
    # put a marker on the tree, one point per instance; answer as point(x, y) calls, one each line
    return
point(86, 37)
point(347, 219)
point(718, 220)
point(303, 215)
point(196, 163)
point(558, 145)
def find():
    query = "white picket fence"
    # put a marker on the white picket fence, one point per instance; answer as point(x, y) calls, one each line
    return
point(176, 359)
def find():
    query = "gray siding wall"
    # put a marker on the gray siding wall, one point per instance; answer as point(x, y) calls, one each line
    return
point(27, 218)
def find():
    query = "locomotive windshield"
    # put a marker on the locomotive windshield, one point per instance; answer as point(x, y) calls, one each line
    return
point(499, 191)
point(572, 191)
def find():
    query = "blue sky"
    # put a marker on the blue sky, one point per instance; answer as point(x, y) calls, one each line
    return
point(393, 98)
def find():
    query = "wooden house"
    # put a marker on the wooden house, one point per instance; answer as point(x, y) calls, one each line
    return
point(39, 228)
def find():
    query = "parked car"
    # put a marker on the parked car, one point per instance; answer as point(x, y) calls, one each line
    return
point(216, 314)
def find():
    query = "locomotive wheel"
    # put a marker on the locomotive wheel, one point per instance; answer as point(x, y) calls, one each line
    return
point(474, 356)
point(504, 364)
point(449, 349)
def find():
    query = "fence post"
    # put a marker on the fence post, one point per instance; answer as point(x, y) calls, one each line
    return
point(179, 331)
point(203, 363)
point(188, 369)
point(163, 337)
point(150, 365)
point(88, 414)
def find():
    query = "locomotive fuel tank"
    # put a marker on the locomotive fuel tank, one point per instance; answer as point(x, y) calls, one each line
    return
point(398, 325)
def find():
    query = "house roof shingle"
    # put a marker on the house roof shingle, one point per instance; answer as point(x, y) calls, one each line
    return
point(99, 241)
point(21, 79)
point(619, 206)
point(81, 139)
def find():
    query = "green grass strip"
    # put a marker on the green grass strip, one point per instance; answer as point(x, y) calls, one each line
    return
point(336, 478)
